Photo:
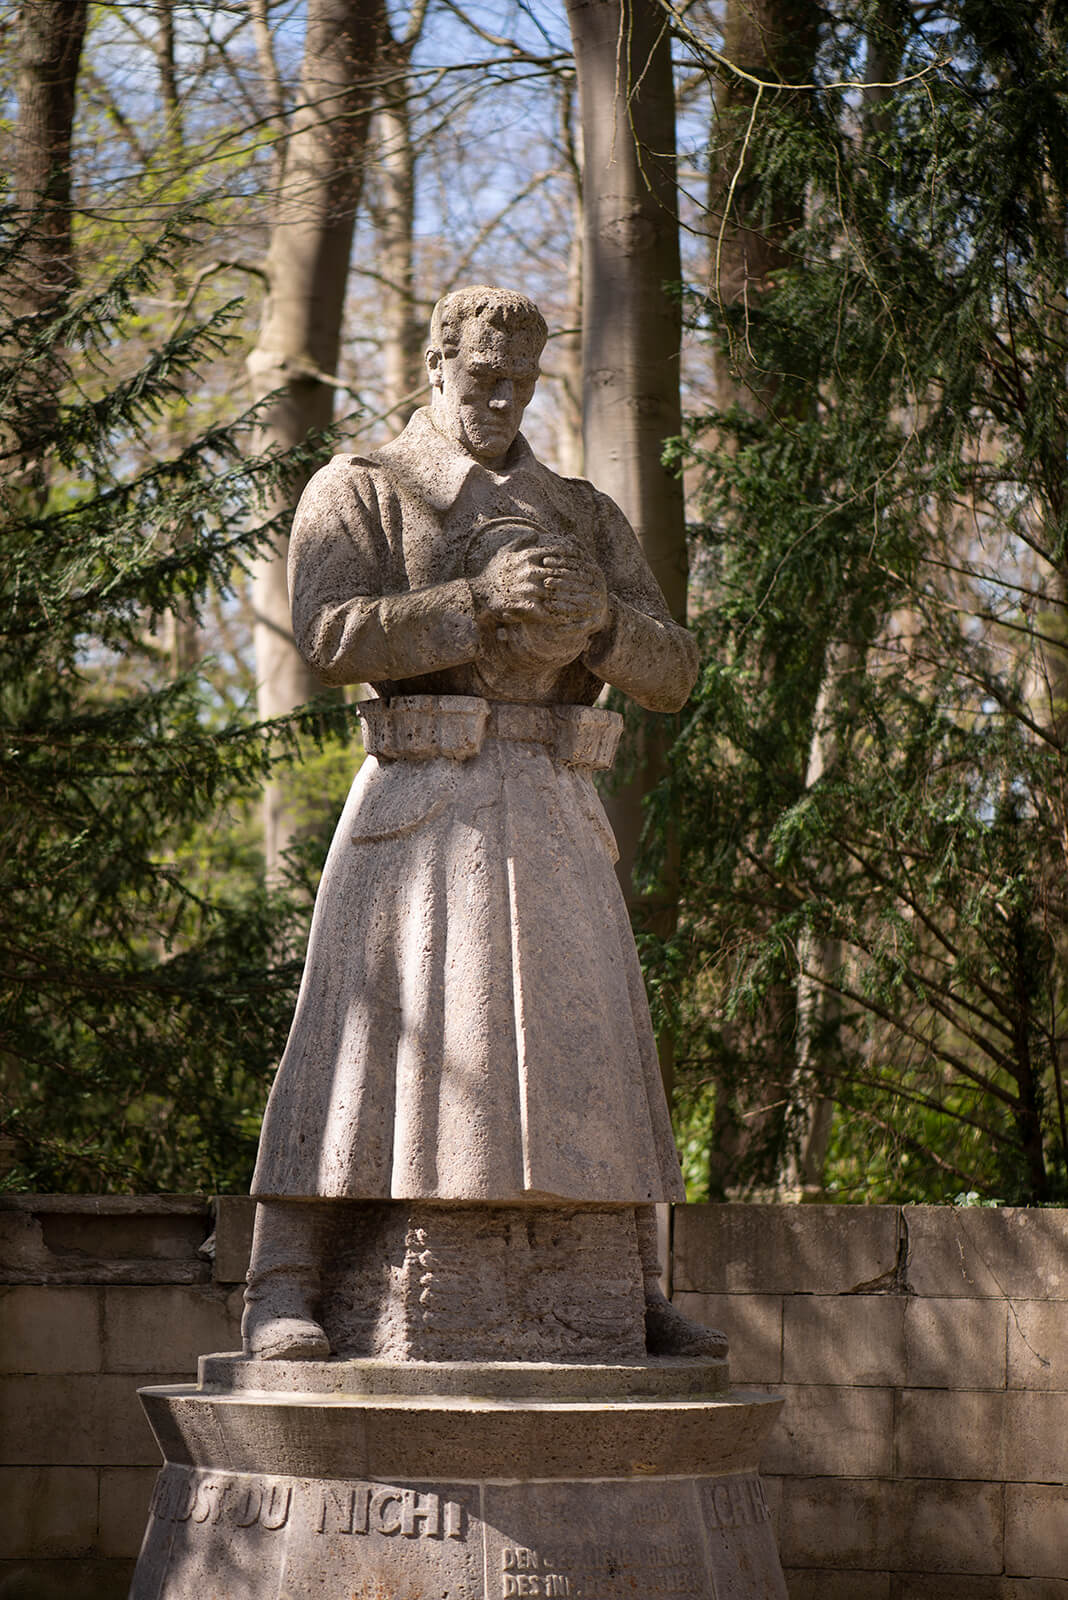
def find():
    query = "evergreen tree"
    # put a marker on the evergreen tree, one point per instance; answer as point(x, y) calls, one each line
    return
point(883, 567)
point(146, 987)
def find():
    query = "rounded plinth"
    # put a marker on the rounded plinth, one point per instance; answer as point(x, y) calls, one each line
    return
point(464, 1495)
point(656, 1377)
point(336, 1435)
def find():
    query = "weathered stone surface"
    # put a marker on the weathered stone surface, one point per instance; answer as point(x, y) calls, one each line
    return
point(819, 1584)
point(752, 1323)
point(65, 1578)
point(844, 1339)
point(483, 1283)
point(472, 1023)
point(385, 1436)
point(945, 1433)
point(234, 1217)
point(416, 1494)
point(773, 1490)
point(174, 1324)
point(22, 1246)
point(994, 1435)
point(932, 1526)
point(1037, 1346)
point(830, 1522)
point(47, 1511)
point(125, 1495)
point(783, 1249)
point(557, 1542)
point(836, 1431)
point(90, 1420)
point(694, 1539)
point(943, 1586)
point(47, 1329)
point(499, 1049)
point(1036, 1530)
point(653, 1378)
point(80, 1239)
point(950, 1342)
point(743, 1559)
point(1040, 1522)
point(974, 1252)
point(923, 1525)
point(1036, 1437)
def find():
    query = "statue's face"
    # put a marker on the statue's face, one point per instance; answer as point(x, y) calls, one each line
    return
point(478, 395)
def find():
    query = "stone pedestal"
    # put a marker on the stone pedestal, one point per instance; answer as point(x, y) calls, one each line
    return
point(425, 1281)
point(379, 1480)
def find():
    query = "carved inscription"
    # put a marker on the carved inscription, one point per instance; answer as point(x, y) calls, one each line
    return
point(738, 1503)
point(228, 1500)
point(347, 1508)
point(588, 1572)
point(370, 1508)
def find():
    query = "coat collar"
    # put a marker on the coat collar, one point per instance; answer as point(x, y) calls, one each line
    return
point(436, 468)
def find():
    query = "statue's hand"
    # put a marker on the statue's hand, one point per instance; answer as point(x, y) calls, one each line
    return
point(573, 605)
point(575, 594)
point(512, 583)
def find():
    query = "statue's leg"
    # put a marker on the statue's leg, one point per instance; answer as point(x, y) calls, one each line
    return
point(284, 1283)
point(667, 1331)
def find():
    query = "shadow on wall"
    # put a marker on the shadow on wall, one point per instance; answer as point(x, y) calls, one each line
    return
point(923, 1446)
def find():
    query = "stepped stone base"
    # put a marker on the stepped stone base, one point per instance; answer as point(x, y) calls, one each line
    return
point(621, 1482)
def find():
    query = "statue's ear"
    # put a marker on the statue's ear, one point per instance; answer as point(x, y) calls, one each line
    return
point(435, 367)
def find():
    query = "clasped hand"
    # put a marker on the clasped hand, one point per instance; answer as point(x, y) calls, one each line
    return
point(546, 585)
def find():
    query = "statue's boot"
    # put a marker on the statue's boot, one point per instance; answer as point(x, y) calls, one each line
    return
point(667, 1331)
point(281, 1318)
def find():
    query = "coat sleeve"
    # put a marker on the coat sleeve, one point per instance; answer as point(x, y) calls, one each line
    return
point(642, 651)
point(354, 618)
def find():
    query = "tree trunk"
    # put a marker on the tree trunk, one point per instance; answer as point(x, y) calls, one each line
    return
point(296, 355)
point(177, 633)
point(631, 330)
point(50, 38)
point(567, 351)
point(773, 42)
point(403, 371)
point(631, 325)
point(819, 1009)
point(49, 45)
point(568, 358)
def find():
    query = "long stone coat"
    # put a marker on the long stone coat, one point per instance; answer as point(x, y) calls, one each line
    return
point(472, 1022)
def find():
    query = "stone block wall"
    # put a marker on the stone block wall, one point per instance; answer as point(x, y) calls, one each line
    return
point(98, 1296)
point(922, 1452)
point(923, 1353)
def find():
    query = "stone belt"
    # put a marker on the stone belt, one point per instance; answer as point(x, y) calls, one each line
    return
point(426, 727)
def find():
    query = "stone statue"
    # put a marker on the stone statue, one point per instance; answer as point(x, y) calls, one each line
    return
point(467, 1133)
point(472, 1032)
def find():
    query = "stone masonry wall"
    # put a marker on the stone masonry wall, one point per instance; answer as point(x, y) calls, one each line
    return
point(98, 1296)
point(923, 1353)
point(922, 1451)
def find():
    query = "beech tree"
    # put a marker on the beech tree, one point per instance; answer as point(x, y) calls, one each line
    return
point(293, 366)
point(393, 214)
point(49, 46)
point(631, 327)
point(42, 272)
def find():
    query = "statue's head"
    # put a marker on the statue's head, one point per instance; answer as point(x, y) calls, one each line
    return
point(482, 359)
